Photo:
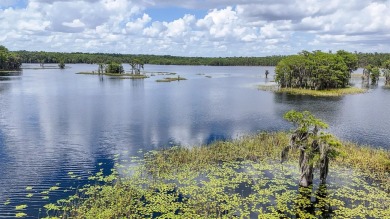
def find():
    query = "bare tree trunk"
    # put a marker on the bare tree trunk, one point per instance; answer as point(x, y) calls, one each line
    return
point(306, 169)
point(324, 168)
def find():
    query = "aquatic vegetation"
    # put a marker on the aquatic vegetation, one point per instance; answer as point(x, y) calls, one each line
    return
point(121, 76)
point(54, 188)
point(20, 207)
point(323, 93)
point(317, 93)
point(20, 215)
point(72, 175)
point(178, 78)
point(239, 178)
point(7, 202)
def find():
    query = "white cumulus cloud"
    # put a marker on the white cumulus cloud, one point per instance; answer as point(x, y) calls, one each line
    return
point(226, 28)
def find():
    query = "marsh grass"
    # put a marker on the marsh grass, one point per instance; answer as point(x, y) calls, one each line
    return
point(317, 93)
point(171, 79)
point(239, 178)
point(323, 93)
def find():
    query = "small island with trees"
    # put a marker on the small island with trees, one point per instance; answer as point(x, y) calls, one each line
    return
point(323, 74)
point(116, 69)
point(9, 61)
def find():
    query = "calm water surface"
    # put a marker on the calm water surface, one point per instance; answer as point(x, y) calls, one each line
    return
point(54, 121)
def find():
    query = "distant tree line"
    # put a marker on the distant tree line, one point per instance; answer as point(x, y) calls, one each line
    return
point(90, 58)
point(373, 59)
point(9, 60)
point(364, 59)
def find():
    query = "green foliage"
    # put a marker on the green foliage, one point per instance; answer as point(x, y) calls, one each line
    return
point(304, 121)
point(372, 72)
point(8, 60)
point(386, 72)
point(7, 202)
point(136, 66)
point(20, 207)
point(114, 68)
point(320, 93)
point(316, 70)
point(316, 148)
point(54, 57)
point(61, 64)
point(374, 59)
point(375, 73)
point(20, 215)
point(351, 60)
point(229, 179)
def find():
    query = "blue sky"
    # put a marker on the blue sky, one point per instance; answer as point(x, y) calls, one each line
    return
point(170, 14)
point(195, 27)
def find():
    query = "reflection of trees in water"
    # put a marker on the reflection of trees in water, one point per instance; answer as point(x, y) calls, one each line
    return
point(4, 86)
point(327, 108)
point(137, 82)
point(318, 205)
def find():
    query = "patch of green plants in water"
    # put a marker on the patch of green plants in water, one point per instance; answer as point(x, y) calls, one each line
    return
point(20, 215)
point(178, 78)
point(20, 207)
point(239, 178)
point(7, 202)
point(121, 76)
point(317, 93)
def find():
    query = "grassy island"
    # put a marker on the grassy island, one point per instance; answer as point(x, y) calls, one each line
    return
point(239, 178)
point(124, 76)
point(171, 79)
point(316, 93)
point(323, 93)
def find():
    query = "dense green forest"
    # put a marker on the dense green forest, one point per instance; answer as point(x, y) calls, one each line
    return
point(8, 60)
point(364, 59)
point(55, 57)
point(316, 70)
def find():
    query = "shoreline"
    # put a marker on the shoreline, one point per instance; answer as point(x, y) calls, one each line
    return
point(316, 93)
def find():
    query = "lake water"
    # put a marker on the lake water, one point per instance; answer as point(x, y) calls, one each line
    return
point(54, 121)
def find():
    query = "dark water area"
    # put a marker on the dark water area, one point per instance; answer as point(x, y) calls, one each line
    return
point(53, 121)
